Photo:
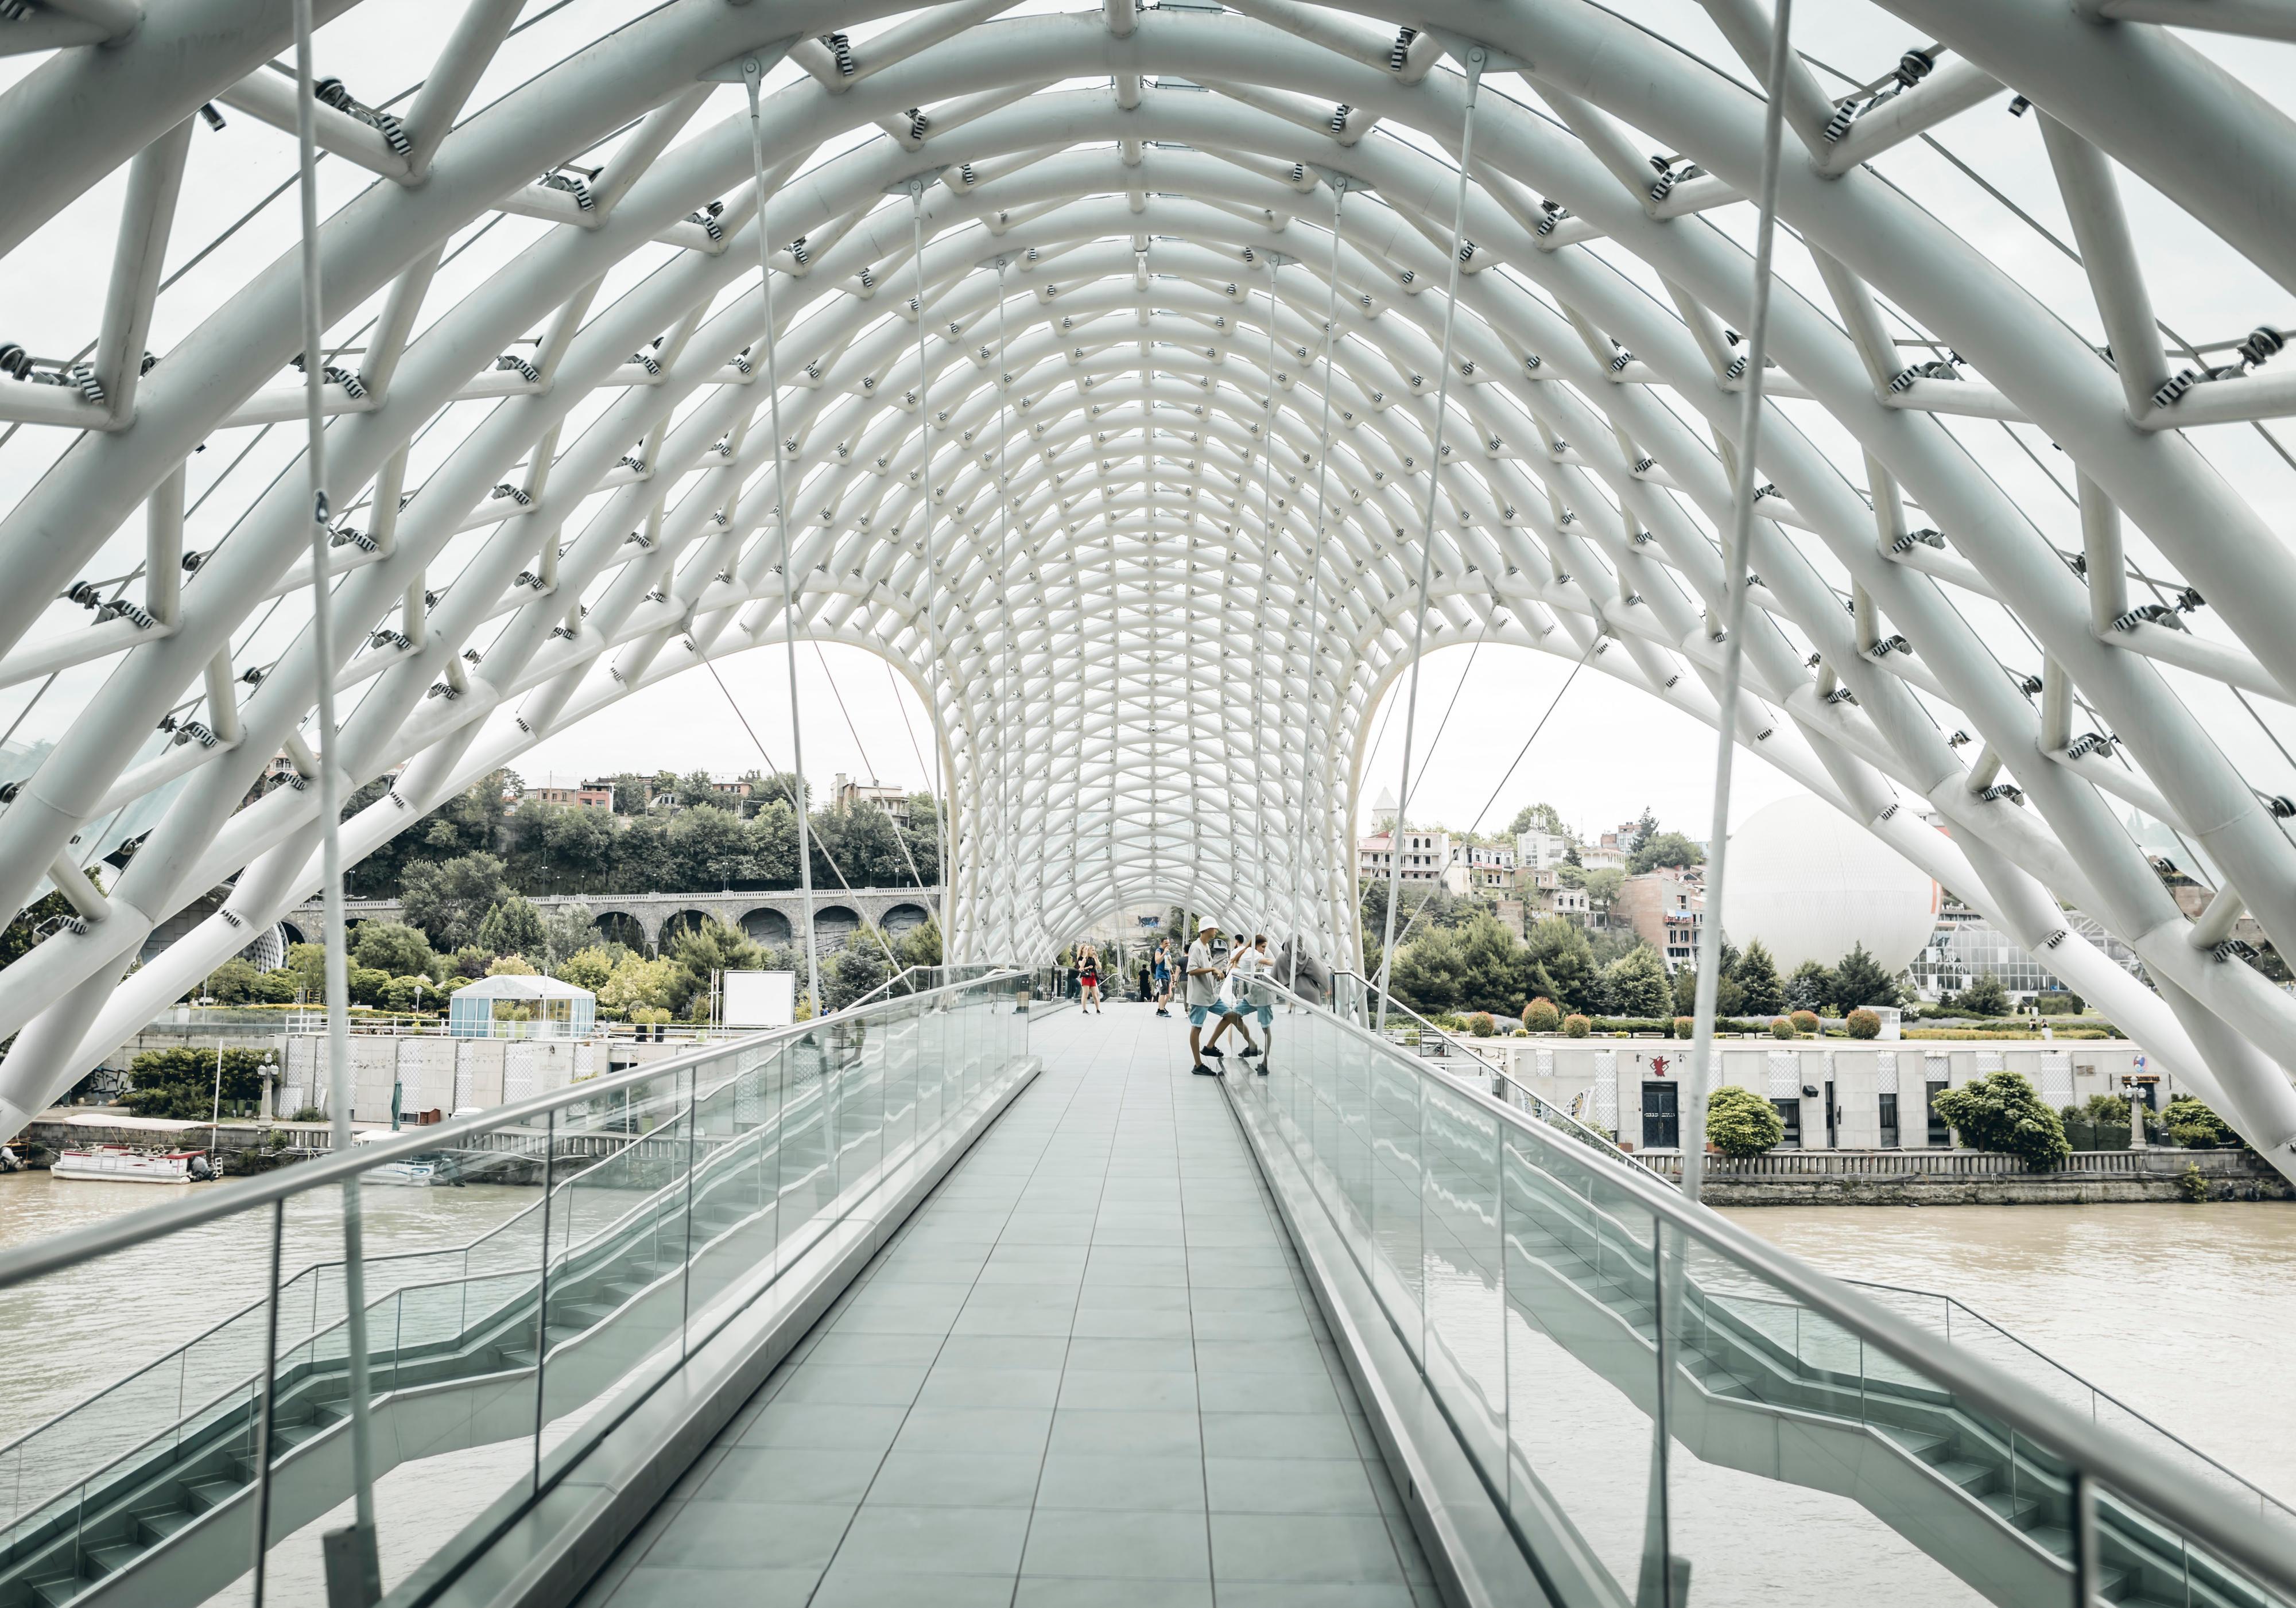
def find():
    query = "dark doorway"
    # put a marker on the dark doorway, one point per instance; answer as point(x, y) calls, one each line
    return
point(1790, 1113)
point(1662, 1116)
point(1940, 1134)
point(1833, 1118)
point(1888, 1121)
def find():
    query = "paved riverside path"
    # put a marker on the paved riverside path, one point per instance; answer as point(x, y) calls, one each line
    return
point(1087, 1371)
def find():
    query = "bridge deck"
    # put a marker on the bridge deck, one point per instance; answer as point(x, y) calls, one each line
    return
point(1087, 1371)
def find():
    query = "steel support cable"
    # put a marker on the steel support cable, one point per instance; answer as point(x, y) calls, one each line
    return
point(1321, 801)
point(838, 870)
point(1734, 609)
point(1520, 754)
point(838, 696)
point(364, 1557)
point(1267, 535)
point(1475, 58)
point(752, 70)
point(925, 478)
point(1005, 782)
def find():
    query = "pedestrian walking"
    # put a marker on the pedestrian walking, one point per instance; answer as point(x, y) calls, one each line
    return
point(1164, 978)
point(1207, 964)
point(1088, 978)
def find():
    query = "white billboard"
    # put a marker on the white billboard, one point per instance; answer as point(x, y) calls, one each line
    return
point(760, 1000)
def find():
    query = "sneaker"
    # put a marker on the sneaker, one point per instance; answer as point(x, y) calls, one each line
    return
point(1249, 1050)
point(1263, 1069)
point(1213, 1049)
point(1201, 1070)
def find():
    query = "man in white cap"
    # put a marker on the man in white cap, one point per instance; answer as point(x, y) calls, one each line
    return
point(1206, 965)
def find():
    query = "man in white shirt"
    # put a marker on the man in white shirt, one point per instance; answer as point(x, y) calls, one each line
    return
point(1206, 965)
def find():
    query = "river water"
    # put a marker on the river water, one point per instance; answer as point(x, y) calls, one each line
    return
point(2184, 1313)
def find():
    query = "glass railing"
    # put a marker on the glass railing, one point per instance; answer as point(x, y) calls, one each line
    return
point(1407, 1027)
point(1668, 1410)
point(665, 1200)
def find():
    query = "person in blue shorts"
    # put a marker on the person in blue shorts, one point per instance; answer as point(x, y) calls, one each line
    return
point(1206, 965)
point(1163, 975)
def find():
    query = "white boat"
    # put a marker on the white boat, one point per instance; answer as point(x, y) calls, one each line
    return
point(413, 1173)
point(117, 1164)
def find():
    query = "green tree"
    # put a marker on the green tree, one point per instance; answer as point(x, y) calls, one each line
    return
point(1739, 1122)
point(448, 899)
point(642, 984)
point(1602, 887)
point(34, 922)
point(1430, 974)
point(514, 927)
point(1493, 971)
point(1560, 963)
point(566, 931)
point(711, 847)
point(773, 843)
point(587, 968)
point(1644, 830)
point(859, 969)
point(920, 946)
point(644, 860)
point(308, 964)
point(2192, 1124)
point(710, 946)
point(393, 947)
point(1536, 818)
point(1984, 998)
point(1760, 994)
point(866, 847)
point(1810, 987)
point(629, 794)
point(1636, 984)
point(2000, 1111)
point(1860, 980)
point(180, 1083)
point(1664, 848)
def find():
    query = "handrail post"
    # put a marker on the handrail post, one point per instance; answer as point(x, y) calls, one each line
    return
point(266, 1403)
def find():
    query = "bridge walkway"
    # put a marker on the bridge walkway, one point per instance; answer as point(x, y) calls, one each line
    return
point(1087, 1371)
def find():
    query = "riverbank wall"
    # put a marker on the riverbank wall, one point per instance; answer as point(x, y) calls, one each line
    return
point(2038, 1189)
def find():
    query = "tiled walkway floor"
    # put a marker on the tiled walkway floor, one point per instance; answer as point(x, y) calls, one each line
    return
point(1087, 1371)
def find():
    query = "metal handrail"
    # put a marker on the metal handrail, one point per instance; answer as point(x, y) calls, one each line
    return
point(2124, 1464)
point(41, 1257)
point(2051, 1362)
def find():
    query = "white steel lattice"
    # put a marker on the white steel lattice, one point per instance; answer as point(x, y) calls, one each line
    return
point(1144, 540)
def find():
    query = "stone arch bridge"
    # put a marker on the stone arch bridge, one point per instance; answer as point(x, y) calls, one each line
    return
point(641, 919)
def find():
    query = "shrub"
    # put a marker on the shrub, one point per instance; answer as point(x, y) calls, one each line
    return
point(1540, 1016)
point(1740, 1122)
point(1521, 1033)
point(2193, 1125)
point(1804, 1021)
point(1481, 1024)
point(2000, 1111)
point(181, 1083)
point(1864, 1024)
point(308, 1113)
point(1685, 1027)
point(2193, 1184)
point(1576, 1026)
point(1780, 1028)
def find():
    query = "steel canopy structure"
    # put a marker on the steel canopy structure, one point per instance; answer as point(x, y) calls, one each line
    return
point(1111, 347)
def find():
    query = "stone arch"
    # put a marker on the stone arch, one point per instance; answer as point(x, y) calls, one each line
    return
point(682, 921)
point(833, 925)
point(770, 927)
point(620, 927)
point(903, 918)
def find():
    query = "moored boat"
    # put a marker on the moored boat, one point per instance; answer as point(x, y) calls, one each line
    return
point(117, 1164)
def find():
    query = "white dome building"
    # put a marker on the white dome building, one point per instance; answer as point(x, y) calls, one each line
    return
point(1811, 885)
